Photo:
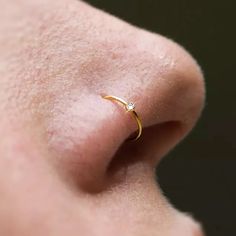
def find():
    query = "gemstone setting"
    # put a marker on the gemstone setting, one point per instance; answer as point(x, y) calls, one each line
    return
point(130, 106)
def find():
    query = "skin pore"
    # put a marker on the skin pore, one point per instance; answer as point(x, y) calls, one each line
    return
point(65, 165)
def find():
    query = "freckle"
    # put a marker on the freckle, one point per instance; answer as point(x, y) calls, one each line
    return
point(114, 55)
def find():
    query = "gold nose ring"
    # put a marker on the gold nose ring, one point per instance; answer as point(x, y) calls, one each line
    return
point(129, 107)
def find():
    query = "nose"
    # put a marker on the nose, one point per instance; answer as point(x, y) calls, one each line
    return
point(166, 84)
point(155, 73)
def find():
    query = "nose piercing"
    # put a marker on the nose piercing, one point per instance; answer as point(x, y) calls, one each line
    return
point(129, 107)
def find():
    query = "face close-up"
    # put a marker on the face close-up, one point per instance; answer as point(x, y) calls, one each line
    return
point(67, 166)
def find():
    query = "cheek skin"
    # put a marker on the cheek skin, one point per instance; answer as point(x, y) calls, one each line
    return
point(61, 136)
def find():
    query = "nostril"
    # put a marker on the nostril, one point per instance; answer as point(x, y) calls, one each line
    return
point(155, 142)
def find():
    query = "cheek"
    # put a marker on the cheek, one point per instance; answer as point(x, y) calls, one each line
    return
point(33, 200)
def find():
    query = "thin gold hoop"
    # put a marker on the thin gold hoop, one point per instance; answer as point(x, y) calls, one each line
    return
point(130, 107)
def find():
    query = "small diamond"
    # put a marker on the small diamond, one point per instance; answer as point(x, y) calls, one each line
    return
point(130, 106)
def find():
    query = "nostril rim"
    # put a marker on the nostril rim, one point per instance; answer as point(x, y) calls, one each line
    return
point(156, 142)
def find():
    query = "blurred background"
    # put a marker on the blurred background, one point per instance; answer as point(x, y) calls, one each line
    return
point(199, 176)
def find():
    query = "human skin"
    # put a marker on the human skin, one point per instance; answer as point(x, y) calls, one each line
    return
point(65, 165)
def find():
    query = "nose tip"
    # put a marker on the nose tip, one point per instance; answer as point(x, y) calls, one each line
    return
point(166, 84)
point(172, 92)
point(160, 76)
point(175, 90)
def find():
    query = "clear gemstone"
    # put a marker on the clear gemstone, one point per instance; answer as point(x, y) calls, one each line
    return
point(130, 106)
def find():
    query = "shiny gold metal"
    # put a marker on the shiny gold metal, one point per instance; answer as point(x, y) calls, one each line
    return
point(129, 106)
